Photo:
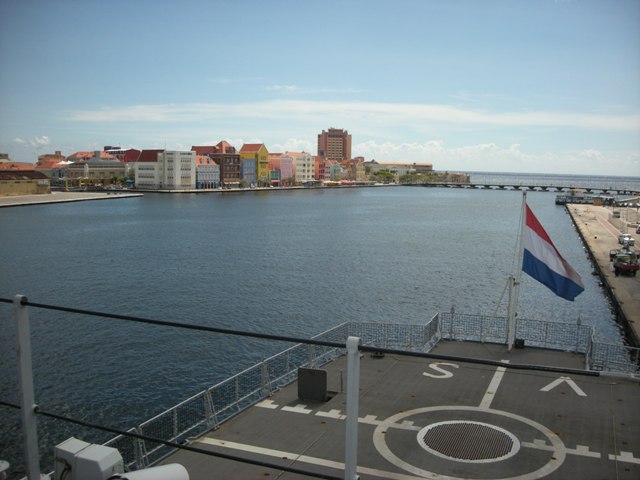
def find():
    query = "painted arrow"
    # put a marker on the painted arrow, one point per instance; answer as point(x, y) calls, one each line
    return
point(569, 382)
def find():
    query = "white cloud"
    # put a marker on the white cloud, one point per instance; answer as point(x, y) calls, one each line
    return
point(591, 155)
point(494, 157)
point(42, 141)
point(293, 145)
point(375, 113)
point(35, 142)
point(451, 138)
point(282, 88)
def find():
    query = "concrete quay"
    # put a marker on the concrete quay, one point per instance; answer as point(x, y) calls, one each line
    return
point(64, 197)
point(600, 235)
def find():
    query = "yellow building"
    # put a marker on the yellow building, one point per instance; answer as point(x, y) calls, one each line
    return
point(259, 153)
point(23, 182)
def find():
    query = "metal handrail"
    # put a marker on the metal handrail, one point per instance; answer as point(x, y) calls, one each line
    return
point(209, 408)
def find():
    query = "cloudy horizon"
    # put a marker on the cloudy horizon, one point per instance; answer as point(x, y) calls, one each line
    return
point(465, 86)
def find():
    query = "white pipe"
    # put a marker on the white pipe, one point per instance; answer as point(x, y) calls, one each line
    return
point(351, 424)
point(27, 398)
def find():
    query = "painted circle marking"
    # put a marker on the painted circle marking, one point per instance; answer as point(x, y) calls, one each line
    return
point(468, 441)
point(557, 455)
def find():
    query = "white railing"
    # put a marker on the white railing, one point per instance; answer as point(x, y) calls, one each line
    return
point(213, 406)
point(208, 409)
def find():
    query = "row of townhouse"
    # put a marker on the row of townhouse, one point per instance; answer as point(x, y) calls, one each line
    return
point(222, 165)
point(211, 166)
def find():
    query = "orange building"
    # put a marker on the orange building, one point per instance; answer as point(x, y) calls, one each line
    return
point(334, 144)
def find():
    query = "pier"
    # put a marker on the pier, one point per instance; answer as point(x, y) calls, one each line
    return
point(64, 197)
point(600, 235)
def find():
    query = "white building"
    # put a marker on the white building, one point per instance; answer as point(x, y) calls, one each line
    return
point(303, 165)
point(173, 170)
point(147, 175)
point(397, 168)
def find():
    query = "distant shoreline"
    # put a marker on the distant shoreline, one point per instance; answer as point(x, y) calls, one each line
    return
point(63, 197)
point(264, 189)
point(80, 196)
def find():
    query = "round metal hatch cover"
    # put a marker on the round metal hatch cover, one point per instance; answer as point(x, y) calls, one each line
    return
point(465, 441)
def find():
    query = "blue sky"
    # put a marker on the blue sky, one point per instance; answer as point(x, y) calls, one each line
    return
point(544, 86)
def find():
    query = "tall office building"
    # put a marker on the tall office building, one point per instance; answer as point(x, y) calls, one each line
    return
point(334, 144)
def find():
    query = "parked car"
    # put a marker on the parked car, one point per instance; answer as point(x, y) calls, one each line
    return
point(626, 239)
point(625, 263)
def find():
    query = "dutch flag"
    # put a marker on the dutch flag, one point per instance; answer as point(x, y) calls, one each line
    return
point(543, 262)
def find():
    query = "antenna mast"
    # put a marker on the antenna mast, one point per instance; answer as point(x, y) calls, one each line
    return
point(514, 280)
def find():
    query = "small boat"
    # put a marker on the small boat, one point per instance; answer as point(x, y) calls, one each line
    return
point(574, 195)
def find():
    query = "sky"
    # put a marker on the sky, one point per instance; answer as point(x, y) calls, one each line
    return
point(534, 86)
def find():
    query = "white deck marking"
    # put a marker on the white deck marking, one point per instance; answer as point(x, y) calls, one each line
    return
point(305, 459)
point(493, 386)
point(625, 457)
point(331, 414)
point(557, 454)
point(569, 382)
point(584, 451)
point(300, 408)
point(443, 373)
point(267, 404)
point(369, 420)
point(538, 445)
point(580, 450)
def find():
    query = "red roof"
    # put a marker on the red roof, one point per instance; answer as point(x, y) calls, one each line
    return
point(251, 147)
point(131, 155)
point(79, 156)
point(225, 147)
point(201, 150)
point(51, 162)
point(16, 166)
point(149, 155)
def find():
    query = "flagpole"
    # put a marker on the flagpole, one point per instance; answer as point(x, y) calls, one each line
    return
point(514, 281)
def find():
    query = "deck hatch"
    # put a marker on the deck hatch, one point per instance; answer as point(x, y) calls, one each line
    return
point(466, 441)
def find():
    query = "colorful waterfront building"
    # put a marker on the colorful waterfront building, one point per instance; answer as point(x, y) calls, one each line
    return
point(248, 171)
point(301, 164)
point(228, 158)
point(15, 181)
point(260, 155)
point(53, 165)
point(333, 171)
point(94, 166)
point(354, 169)
point(207, 172)
point(275, 174)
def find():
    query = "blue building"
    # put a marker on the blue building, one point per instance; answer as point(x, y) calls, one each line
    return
point(248, 171)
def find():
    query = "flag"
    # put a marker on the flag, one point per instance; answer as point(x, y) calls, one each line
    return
point(543, 262)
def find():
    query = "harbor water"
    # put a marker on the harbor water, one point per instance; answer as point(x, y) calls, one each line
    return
point(281, 262)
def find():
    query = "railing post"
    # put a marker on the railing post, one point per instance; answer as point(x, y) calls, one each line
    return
point(353, 393)
point(27, 398)
point(142, 457)
point(264, 380)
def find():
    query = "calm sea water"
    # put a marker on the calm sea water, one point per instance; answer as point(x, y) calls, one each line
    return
point(292, 263)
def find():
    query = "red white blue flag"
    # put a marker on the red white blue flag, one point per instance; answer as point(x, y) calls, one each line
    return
point(543, 262)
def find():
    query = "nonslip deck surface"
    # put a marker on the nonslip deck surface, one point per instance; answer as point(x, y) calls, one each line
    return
point(420, 418)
